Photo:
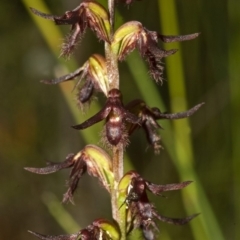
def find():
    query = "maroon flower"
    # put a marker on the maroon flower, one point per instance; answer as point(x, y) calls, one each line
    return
point(87, 14)
point(141, 212)
point(149, 117)
point(92, 77)
point(116, 116)
point(91, 159)
point(99, 229)
point(133, 35)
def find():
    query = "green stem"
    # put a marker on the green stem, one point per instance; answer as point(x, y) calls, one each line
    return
point(111, 9)
point(118, 168)
point(117, 161)
point(112, 67)
point(119, 214)
point(117, 172)
point(111, 57)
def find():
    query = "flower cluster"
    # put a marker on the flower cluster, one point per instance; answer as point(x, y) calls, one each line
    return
point(131, 206)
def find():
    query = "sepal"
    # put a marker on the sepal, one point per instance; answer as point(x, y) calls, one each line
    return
point(50, 237)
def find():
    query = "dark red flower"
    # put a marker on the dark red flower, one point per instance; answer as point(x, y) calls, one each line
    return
point(91, 78)
point(133, 35)
point(149, 117)
point(99, 229)
point(91, 159)
point(116, 116)
point(88, 14)
point(141, 212)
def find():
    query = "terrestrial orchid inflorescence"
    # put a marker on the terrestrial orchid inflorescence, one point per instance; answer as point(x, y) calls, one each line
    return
point(131, 207)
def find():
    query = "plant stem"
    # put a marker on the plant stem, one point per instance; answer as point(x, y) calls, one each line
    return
point(117, 172)
point(111, 58)
point(117, 158)
point(111, 9)
point(117, 163)
point(112, 67)
point(118, 213)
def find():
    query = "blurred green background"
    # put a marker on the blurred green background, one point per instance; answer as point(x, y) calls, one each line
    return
point(35, 119)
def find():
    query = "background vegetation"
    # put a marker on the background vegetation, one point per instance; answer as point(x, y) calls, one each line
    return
point(35, 119)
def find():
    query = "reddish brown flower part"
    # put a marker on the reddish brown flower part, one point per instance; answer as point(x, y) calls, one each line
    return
point(141, 212)
point(149, 117)
point(116, 116)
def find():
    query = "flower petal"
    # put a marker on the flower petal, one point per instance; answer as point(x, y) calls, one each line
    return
point(53, 167)
point(158, 189)
point(179, 38)
point(102, 114)
point(59, 237)
point(175, 221)
point(43, 15)
point(179, 115)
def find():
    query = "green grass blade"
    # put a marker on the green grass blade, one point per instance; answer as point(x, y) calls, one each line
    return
point(57, 210)
point(182, 140)
point(233, 68)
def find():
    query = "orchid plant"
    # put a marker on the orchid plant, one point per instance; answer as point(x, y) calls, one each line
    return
point(131, 207)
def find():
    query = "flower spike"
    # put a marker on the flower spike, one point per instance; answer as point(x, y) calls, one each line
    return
point(131, 207)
